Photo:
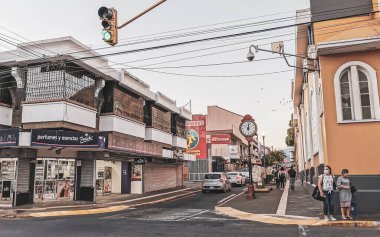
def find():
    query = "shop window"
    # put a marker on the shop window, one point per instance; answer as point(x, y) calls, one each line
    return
point(356, 92)
point(8, 173)
point(54, 179)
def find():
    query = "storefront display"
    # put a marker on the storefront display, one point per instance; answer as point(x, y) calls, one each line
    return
point(8, 172)
point(103, 179)
point(54, 179)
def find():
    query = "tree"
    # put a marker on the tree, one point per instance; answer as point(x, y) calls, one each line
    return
point(290, 137)
point(274, 156)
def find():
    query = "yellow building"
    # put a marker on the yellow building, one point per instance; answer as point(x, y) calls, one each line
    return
point(336, 93)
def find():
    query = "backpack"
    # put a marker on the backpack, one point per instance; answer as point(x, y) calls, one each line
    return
point(282, 175)
point(317, 194)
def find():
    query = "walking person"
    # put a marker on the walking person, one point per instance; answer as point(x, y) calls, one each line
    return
point(345, 195)
point(292, 176)
point(326, 188)
point(276, 178)
point(282, 178)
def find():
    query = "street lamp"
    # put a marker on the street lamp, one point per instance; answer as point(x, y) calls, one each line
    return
point(263, 135)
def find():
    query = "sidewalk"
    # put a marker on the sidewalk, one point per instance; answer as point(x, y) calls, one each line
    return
point(288, 208)
point(110, 203)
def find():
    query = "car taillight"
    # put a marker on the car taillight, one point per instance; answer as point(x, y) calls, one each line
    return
point(220, 180)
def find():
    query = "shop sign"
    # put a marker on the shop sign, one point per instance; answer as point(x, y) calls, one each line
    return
point(41, 137)
point(9, 137)
point(233, 151)
point(221, 139)
point(196, 136)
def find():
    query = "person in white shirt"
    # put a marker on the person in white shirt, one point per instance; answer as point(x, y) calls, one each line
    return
point(326, 188)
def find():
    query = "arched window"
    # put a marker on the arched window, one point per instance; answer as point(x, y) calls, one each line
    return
point(356, 92)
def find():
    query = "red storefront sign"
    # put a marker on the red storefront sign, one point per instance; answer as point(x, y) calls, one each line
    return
point(196, 136)
point(221, 139)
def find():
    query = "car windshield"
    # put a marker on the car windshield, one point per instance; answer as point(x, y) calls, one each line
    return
point(232, 174)
point(212, 176)
point(244, 170)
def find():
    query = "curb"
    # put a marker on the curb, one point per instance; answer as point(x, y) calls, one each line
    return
point(95, 210)
point(290, 220)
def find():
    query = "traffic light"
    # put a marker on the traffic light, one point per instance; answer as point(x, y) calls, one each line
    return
point(109, 23)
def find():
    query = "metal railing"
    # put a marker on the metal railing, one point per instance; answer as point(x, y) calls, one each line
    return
point(196, 176)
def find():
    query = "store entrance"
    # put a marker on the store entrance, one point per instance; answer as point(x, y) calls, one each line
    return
point(8, 174)
point(54, 179)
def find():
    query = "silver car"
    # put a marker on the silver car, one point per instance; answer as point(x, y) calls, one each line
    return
point(236, 178)
point(216, 182)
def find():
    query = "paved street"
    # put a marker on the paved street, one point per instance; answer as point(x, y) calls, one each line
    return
point(190, 216)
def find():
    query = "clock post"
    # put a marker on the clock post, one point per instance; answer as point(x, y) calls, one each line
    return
point(248, 129)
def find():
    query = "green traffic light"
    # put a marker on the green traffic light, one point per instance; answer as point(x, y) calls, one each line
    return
point(106, 35)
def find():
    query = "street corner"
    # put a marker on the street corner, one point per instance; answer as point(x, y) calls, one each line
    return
point(291, 220)
point(109, 208)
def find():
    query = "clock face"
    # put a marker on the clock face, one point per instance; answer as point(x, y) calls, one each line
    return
point(248, 128)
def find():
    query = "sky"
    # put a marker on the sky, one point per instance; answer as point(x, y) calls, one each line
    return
point(266, 97)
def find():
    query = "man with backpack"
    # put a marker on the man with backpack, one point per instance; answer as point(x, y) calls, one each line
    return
point(292, 176)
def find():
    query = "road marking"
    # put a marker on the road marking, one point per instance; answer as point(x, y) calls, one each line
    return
point(226, 198)
point(281, 210)
point(192, 216)
point(304, 231)
point(103, 210)
point(230, 199)
point(108, 203)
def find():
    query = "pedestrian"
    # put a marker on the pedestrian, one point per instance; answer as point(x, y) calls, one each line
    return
point(281, 178)
point(276, 177)
point(292, 176)
point(345, 195)
point(326, 188)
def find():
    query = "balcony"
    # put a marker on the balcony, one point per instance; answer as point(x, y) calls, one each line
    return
point(114, 123)
point(6, 115)
point(58, 111)
point(153, 134)
point(179, 142)
point(167, 153)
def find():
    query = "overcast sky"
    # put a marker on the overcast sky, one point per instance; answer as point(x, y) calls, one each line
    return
point(265, 97)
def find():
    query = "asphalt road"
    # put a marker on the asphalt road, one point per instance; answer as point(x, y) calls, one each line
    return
point(190, 216)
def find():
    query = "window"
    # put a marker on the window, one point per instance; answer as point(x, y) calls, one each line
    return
point(356, 92)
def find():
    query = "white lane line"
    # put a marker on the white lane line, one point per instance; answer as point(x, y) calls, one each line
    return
point(226, 198)
point(281, 210)
point(304, 231)
point(192, 216)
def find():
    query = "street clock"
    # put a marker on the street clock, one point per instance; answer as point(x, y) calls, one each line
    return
point(248, 127)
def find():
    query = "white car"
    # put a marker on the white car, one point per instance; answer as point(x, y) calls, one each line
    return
point(216, 182)
point(245, 172)
point(236, 178)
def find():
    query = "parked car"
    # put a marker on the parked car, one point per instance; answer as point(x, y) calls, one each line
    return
point(236, 178)
point(245, 172)
point(216, 181)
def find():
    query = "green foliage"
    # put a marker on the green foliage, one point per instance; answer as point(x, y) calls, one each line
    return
point(289, 140)
point(274, 156)
point(269, 178)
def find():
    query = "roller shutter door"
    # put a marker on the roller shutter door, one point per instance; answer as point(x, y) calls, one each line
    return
point(161, 176)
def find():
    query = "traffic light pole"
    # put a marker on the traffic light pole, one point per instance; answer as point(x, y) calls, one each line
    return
point(141, 14)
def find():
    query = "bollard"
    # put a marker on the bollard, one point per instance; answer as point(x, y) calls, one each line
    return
point(251, 191)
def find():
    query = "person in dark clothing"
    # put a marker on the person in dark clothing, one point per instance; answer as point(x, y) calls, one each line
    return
point(276, 178)
point(282, 178)
point(292, 176)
